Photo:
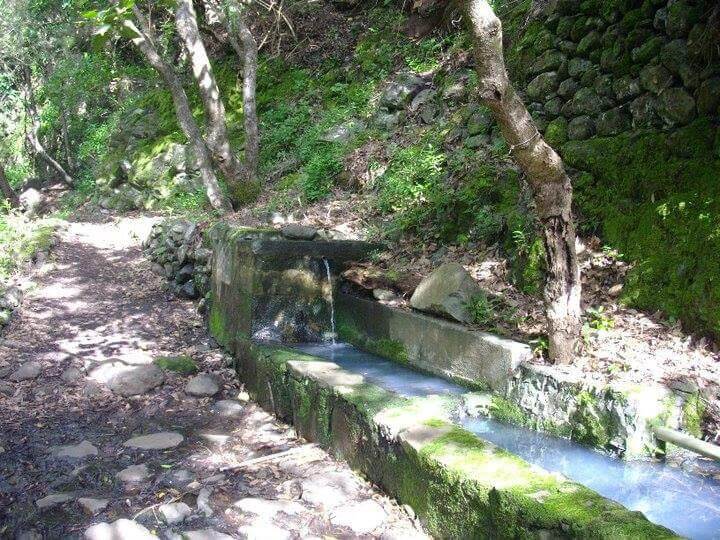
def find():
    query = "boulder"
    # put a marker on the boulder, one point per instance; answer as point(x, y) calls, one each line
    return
point(446, 291)
point(677, 106)
point(613, 122)
point(655, 78)
point(133, 474)
point(53, 499)
point(296, 231)
point(708, 97)
point(32, 201)
point(77, 451)
point(581, 128)
point(136, 381)
point(542, 85)
point(361, 517)
point(400, 91)
point(174, 513)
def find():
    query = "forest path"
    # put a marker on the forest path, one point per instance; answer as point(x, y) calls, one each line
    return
point(95, 320)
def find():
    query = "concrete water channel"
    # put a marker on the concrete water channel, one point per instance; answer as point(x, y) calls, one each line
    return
point(420, 416)
point(686, 501)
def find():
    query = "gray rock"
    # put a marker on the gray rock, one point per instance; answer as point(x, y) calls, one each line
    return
point(32, 202)
point(92, 506)
point(578, 66)
point(202, 385)
point(424, 98)
point(388, 120)
point(268, 508)
point(613, 122)
point(185, 274)
point(6, 388)
point(134, 474)
point(136, 381)
point(53, 499)
point(384, 295)
point(77, 451)
point(296, 231)
point(542, 85)
point(589, 42)
point(644, 111)
point(400, 91)
point(362, 517)
point(674, 55)
point(708, 97)
point(174, 513)
point(553, 106)
point(655, 78)
point(550, 60)
point(677, 106)
point(263, 531)
point(188, 290)
point(586, 101)
point(27, 371)
point(155, 441)
point(479, 122)
point(568, 88)
point(626, 88)
point(343, 133)
point(446, 291)
point(680, 18)
point(178, 478)
point(71, 375)
point(580, 128)
point(228, 407)
point(122, 529)
point(648, 50)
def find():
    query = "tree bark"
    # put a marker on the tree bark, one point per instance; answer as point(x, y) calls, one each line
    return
point(217, 139)
point(7, 190)
point(144, 43)
point(550, 184)
point(32, 136)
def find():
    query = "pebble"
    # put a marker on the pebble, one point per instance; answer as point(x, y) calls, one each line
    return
point(70, 375)
point(201, 386)
point(53, 499)
point(29, 370)
point(122, 529)
point(134, 474)
point(174, 513)
point(77, 451)
point(92, 506)
point(155, 441)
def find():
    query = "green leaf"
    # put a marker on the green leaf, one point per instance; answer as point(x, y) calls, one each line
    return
point(92, 14)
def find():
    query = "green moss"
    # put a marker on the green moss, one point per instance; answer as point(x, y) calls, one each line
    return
point(217, 325)
point(590, 425)
point(182, 364)
point(693, 411)
point(656, 199)
point(505, 411)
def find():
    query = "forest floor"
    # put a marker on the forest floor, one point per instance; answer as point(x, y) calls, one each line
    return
point(95, 317)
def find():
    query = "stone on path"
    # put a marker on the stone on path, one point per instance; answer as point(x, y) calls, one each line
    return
point(137, 381)
point(227, 407)
point(263, 531)
point(205, 534)
point(155, 441)
point(363, 517)
point(201, 386)
point(297, 231)
point(53, 499)
point(178, 478)
point(77, 451)
point(267, 509)
point(174, 513)
point(6, 388)
point(122, 529)
point(447, 291)
point(92, 506)
point(134, 474)
point(29, 370)
point(70, 375)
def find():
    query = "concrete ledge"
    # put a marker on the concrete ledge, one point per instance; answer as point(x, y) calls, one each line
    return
point(450, 350)
point(460, 485)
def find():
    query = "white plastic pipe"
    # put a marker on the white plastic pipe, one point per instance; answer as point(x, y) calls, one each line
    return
point(688, 442)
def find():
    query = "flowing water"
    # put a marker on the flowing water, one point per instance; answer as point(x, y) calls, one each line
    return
point(332, 302)
point(684, 501)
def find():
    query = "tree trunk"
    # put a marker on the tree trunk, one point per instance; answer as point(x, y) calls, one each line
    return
point(216, 138)
point(32, 137)
point(550, 184)
point(187, 123)
point(66, 141)
point(7, 190)
point(249, 54)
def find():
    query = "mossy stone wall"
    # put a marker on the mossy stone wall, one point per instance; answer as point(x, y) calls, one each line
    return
point(629, 92)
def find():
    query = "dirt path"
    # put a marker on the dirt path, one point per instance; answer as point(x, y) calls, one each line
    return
point(96, 320)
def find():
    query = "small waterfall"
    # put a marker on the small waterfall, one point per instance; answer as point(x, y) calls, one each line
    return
point(332, 304)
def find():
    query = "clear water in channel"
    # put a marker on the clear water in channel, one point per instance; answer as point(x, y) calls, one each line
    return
point(686, 502)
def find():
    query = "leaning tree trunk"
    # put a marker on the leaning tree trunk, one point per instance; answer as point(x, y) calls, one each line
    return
point(550, 184)
point(7, 190)
point(185, 118)
point(33, 139)
point(216, 138)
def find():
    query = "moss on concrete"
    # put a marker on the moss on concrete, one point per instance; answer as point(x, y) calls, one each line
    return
point(693, 410)
point(387, 348)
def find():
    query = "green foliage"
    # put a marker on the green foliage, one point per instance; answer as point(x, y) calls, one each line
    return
point(598, 319)
point(488, 309)
point(21, 239)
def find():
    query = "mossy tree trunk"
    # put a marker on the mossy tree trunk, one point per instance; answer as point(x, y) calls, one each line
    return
point(217, 139)
point(145, 43)
point(544, 170)
point(7, 190)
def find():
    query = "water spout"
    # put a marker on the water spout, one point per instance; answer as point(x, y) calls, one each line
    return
point(332, 304)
